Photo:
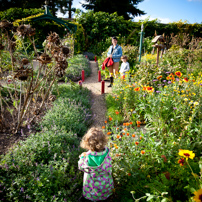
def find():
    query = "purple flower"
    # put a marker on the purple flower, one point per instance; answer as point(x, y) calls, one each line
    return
point(174, 108)
point(158, 91)
point(167, 72)
point(155, 80)
point(200, 84)
point(37, 178)
point(53, 197)
point(177, 79)
point(164, 81)
point(169, 82)
point(22, 189)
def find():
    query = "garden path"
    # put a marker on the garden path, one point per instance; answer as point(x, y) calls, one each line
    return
point(98, 99)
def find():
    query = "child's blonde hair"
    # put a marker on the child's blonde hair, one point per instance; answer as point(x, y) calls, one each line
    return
point(124, 57)
point(94, 140)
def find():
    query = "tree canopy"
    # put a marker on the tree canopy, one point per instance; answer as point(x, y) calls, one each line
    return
point(63, 6)
point(126, 8)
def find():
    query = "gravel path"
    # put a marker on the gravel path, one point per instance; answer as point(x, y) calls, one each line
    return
point(98, 99)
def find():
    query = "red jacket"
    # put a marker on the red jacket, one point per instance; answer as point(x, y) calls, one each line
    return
point(107, 63)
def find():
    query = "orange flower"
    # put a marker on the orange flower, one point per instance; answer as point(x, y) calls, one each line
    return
point(117, 155)
point(181, 161)
point(142, 152)
point(116, 112)
point(125, 129)
point(131, 123)
point(123, 133)
point(105, 121)
point(138, 122)
point(178, 73)
point(136, 143)
point(103, 127)
point(159, 77)
point(140, 138)
point(172, 78)
point(150, 89)
point(109, 133)
point(168, 78)
point(124, 124)
point(110, 118)
point(144, 88)
point(127, 124)
point(118, 136)
point(117, 128)
point(129, 174)
point(138, 126)
point(137, 89)
point(186, 79)
point(133, 135)
point(127, 134)
point(116, 147)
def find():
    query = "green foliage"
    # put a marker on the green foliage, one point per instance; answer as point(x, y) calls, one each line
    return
point(75, 66)
point(13, 14)
point(70, 110)
point(43, 168)
point(99, 26)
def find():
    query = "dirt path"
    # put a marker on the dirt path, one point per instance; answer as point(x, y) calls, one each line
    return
point(98, 99)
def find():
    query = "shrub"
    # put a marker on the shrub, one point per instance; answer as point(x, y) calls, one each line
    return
point(43, 168)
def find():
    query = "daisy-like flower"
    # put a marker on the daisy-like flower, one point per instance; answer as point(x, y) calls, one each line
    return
point(181, 161)
point(105, 121)
point(186, 153)
point(109, 133)
point(110, 118)
point(127, 134)
point(185, 79)
point(136, 143)
point(142, 152)
point(138, 122)
point(118, 136)
point(137, 89)
point(103, 127)
point(116, 112)
point(144, 88)
point(149, 89)
point(178, 74)
point(198, 195)
point(159, 77)
point(133, 135)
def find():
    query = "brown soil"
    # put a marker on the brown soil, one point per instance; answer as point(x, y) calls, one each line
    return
point(8, 139)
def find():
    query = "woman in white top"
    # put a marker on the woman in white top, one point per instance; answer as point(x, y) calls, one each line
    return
point(124, 66)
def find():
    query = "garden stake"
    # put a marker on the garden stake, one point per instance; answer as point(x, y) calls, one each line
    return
point(99, 76)
point(102, 87)
point(95, 59)
point(83, 75)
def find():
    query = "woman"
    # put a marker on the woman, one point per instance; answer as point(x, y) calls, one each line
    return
point(115, 52)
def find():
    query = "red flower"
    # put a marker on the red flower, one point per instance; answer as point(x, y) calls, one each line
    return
point(136, 143)
point(116, 112)
point(142, 152)
point(137, 89)
point(181, 161)
point(186, 79)
point(178, 73)
point(150, 89)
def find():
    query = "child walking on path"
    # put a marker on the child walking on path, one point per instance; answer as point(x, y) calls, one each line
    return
point(124, 66)
point(96, 165)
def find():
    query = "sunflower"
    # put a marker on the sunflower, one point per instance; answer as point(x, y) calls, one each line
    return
point(198, 195)
point(186, 153)
point(178, 74)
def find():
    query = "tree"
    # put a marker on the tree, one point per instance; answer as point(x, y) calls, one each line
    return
point(62, 5)
point(126, 8)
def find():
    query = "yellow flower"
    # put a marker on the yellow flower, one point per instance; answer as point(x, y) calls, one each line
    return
point(186, 153)
point(198, 195)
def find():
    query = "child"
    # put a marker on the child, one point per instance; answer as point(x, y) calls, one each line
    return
point(124, 66)
point(96, 164)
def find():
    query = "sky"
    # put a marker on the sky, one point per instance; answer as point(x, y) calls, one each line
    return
point(165, 11)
